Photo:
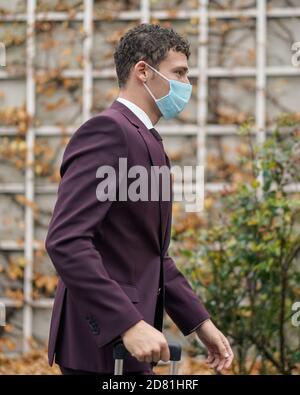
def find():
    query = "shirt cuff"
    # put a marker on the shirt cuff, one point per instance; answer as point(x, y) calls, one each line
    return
point(198, 326)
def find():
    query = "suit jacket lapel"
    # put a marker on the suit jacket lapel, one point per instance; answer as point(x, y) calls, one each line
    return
point(155, 155)
point(168, 208)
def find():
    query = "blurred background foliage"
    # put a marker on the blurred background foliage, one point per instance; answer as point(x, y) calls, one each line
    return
point(245, 262)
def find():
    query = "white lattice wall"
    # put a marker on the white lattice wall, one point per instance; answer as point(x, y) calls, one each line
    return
point(268, 74)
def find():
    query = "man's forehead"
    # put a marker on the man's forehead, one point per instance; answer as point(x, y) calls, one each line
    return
point(176, 59)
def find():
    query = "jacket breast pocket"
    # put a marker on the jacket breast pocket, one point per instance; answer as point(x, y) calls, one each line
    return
point(131, 291)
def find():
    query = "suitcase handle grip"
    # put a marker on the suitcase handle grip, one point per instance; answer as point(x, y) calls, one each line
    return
point(120, 351)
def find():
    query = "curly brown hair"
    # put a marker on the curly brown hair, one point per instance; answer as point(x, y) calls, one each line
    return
point(148, 42)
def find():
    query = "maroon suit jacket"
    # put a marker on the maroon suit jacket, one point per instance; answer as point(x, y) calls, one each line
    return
point(108, 255)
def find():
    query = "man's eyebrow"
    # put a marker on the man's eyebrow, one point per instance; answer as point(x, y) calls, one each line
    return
point(181, 68)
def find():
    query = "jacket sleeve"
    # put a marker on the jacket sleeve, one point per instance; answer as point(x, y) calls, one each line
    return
point(181, 303)
point(77, 214)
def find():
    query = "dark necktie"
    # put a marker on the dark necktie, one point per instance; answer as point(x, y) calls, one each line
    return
point(156, 134)
point(159, 311)
point(160, 139)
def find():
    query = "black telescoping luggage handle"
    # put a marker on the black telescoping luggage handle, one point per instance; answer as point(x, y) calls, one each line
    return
point(120, 351)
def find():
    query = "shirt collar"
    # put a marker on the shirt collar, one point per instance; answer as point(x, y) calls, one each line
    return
point(137, 111)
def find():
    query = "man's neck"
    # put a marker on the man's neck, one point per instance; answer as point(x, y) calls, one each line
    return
point(151, 114)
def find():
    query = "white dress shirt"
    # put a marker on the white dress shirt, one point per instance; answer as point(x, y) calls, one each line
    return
point(137, 111)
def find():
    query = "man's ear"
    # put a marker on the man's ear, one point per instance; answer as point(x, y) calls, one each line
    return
point(141, 71)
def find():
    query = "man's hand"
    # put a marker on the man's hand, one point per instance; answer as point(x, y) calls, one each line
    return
point(146, 343)
point(220, 354)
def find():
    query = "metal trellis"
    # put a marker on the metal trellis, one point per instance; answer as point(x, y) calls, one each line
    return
point(201, 130)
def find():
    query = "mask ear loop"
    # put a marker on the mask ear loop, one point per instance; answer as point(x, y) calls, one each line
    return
point(151, 94)
point(167, 79)
point(160, 75)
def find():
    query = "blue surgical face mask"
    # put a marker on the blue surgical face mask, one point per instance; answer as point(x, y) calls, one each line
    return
point(177, 98)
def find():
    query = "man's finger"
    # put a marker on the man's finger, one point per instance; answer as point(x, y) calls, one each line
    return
point(229, 350)
point(228, 362)
point(221, 364)
point(216, 361)
point(210, 358)
point(227, 345)
point(155, 356)
point(165, 353)
point(223, 350)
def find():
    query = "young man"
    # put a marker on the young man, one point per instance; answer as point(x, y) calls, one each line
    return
point(115, 274)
